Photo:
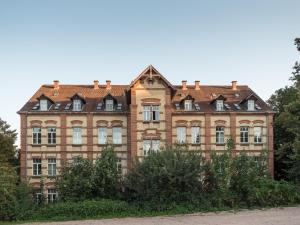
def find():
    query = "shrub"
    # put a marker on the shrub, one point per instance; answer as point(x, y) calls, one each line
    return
point(106, 176)
point(75, 182)
point(165, 176)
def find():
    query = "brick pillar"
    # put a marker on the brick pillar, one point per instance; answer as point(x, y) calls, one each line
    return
point(207, 135)
point(168, 118)
point(90, 136)
point(132, 130)
point(233, 131)
point(23, 150)
point(270, 144)
point(63, 130)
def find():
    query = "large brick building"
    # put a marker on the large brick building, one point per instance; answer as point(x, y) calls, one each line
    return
point(63, 121)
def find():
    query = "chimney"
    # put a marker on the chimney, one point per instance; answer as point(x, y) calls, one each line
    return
point(108, 87)
point(96, 84)
point(56, 84)
point(184, 85)
point(234, 85)
point(197, 85)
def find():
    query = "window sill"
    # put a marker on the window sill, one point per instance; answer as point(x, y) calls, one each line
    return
point(117, 145)
point(36, 145)
point(195, 144)
point(244, 144)
point(258, 144)
point(36, 176)
point(51, 176)
point(76, 145)
point(51, 145)
point(220, 144)
point(102, 145)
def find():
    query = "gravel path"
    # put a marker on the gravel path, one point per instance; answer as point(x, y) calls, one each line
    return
point(276, 216)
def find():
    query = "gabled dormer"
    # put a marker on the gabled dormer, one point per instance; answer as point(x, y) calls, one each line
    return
point(218, 103)
point(187, 103)
point(78, 102)
point(250, 102)
point(110, 103)
point(44, 102)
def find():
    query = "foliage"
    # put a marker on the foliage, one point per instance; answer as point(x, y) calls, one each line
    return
point(106, 176)
point(165, 176)
point(75, 180)
point(286, 103)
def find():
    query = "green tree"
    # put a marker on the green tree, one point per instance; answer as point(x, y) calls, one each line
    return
point(106, 177)
point(75, 181)
point(286, 103)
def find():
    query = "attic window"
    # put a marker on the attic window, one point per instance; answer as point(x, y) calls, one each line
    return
point(188, 105)
point(109, 105)
point(251, 105)
point(220, 105)
point(76, 105)
point(197, 106)
point(43, 105)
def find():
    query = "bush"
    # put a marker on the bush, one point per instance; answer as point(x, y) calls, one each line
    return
point(75, 182)
point(106, 176)
point(165, 176)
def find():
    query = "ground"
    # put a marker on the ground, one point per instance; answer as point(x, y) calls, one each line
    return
point(278, 216)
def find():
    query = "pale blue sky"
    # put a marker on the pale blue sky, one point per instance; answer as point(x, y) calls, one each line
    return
point(80, 41)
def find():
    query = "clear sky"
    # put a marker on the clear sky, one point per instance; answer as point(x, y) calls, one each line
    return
point(77, 42)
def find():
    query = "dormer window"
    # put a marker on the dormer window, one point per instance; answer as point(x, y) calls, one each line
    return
point(188, 105)
point(109, 105)
point(220, 105)
point(76, 105)
point(43, 104)
point(251, 105)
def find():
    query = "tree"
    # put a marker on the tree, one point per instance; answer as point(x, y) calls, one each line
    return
point(286, 103)
point(106, 177)
point(75, 180)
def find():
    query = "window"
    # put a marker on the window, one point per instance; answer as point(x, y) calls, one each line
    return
point(188, 105)
point(102, 135)
point(119, 166)
point(117, 135)
point(147, 113)
point(51, 135)
point(37, 166)
point(257, 134)
point(220, 135)
point(109, 105)
point(195, 135)
point(36, 135)
point(52, 167)
point(219, 105)
point(251, 105)
point(151, 113)
point(38, 196)
point(181, 134)
point(244, 134)
point(43, 105)
point(52, 195)
point(77, 105)
point(151, 146)
point(77, 140)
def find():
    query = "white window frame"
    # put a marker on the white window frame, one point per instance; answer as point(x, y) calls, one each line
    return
point(52, 195)
point(220, 134)
point(109, 105)
point(196, 138)
point(119, 166)
point(244, 134)
point(181, 135)
point(102, 135)
point(36, 166)
point(220, 105)
point(151, 112)
point(51, 135)
point(77, 105)
point(117, 135)
point(36, 135)
point(43, 105)
point(51, 166)
point(257, 132)
point(251, 105)
point(151, 145)
point(188, 105)
point(77, 135)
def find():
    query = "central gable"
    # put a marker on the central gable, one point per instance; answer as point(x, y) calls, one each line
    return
point(150, 78)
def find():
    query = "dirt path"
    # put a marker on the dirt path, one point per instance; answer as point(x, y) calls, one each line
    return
point(277, 216)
